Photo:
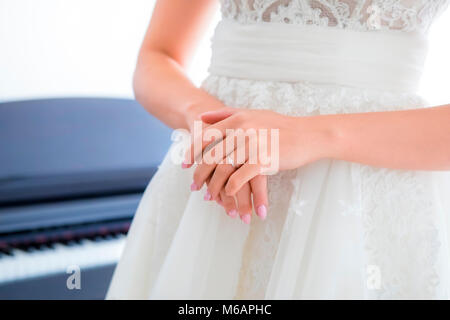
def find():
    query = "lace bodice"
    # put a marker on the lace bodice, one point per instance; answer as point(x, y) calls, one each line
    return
point(395, 15)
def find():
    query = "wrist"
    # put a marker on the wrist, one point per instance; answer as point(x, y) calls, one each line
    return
point(194, 111)
point(332, 142)
point(323, 135)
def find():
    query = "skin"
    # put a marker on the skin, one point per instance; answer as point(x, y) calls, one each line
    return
point(416, 139)
point(174, 33)
point(413, 139)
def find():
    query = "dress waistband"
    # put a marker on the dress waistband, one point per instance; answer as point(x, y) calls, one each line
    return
point(380, 60)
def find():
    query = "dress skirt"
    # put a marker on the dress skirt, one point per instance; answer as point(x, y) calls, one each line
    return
point(334, 229)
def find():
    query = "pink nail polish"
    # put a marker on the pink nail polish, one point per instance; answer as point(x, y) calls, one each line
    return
point(246, 218)
point(207, 196)
point(194, 187)
point(262, 212)
point(184, 165)
point(233, 213)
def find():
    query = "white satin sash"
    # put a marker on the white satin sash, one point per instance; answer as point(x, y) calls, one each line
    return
point(381, 60)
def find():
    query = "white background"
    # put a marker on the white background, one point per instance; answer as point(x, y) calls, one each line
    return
point(52, 48)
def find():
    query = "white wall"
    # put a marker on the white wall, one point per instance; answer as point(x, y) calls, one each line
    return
point(75, 47)
point(89, 47)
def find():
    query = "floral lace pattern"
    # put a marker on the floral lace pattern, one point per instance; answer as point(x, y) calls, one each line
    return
point(304, 98)
point(398, 15)
point(401, 237)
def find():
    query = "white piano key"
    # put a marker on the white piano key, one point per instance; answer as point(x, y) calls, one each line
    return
point(22, 264)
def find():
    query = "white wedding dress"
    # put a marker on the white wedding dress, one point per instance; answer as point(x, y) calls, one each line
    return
point(334, 229)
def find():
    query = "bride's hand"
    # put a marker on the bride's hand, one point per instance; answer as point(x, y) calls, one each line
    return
point(240, 204)
point(301, 140)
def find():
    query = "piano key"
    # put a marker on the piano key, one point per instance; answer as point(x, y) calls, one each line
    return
point(22, 264)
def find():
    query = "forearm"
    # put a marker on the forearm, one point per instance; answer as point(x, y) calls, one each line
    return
point(413, 139)
point(161, 86)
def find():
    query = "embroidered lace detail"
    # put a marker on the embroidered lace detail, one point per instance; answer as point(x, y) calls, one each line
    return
point(400, 15)
point(303, 98)
point(402, 241)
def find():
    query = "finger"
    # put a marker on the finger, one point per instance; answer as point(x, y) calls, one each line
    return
point(219, 178)
point(202, 174)
point(229, 203)
point(211, 117)
point(203, 139)
point(244, 201)
point(221, 150)
point(240, 177)
point(219, 200)
point(207, 196)
point(258, 187)
point(218, 174)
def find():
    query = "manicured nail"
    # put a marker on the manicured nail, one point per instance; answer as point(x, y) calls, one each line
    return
point(194, 187)
point(246, 218)
point(185, 164)
point(262, 212)
point(207, 196)
point(233, 213)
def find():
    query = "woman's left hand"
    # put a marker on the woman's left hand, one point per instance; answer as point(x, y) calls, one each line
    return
point(288, 143)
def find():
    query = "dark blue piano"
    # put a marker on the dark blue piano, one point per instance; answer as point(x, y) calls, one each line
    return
point(72, 172)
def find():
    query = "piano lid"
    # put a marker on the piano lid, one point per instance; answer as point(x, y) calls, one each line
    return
point(53, 148)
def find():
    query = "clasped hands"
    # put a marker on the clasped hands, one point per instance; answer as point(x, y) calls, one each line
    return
point(238, 148)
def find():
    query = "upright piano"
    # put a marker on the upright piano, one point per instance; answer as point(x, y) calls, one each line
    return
point(72, 172)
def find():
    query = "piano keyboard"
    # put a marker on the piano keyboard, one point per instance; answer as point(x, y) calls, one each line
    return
point(44, 260)
point(44, 239)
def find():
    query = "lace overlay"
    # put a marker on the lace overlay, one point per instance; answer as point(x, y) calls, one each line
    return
point(395, 15)
point(402, 239)
point(304, 98)
point(263, 240)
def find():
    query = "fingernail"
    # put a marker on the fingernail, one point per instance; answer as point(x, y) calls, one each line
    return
point(194, 187)
point(246, 218)
point(207, 196)
point(233, 213)
point(262, 212)
point(184, 165)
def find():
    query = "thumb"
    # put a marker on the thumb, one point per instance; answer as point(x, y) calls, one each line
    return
point(211, 117)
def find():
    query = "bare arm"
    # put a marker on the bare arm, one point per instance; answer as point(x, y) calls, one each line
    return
point(413, 139)
point(160, 83)
point(161, 86)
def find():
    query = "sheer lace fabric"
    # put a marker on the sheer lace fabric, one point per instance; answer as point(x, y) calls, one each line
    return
point(395, 15)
